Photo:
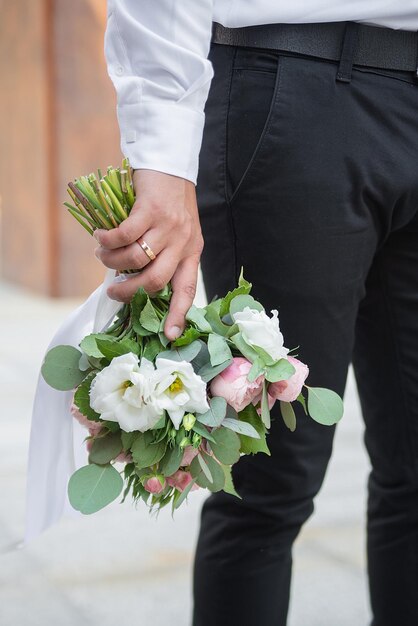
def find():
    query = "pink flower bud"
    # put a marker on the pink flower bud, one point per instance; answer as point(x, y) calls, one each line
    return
point(155, 484)
point(288, 390)
point(180, 480)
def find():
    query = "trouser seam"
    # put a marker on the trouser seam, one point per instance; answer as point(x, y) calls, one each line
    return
point(397, 355)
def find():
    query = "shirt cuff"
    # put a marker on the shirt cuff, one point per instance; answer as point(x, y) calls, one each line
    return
point(162, 136)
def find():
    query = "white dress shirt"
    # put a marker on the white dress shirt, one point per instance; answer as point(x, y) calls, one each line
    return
point(156, 53)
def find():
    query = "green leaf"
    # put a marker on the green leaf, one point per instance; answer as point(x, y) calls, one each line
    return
point(137, 303)
point(250, 445)
point(149, 318)
point(200, 429)
point(183, 495)
point(182, 353)
point(282, 370)
point(82, 398)
point(111, 349)
point(226, 300)
point(241, 280)
point(219, 350)
point(60, 368)
point(189, 335)
point(288, 415)
point(301, 399)
point(207, 372)
point(197, 317)
point(153, 346)
point(218, 476)
point(171, 460)
point(89, 344)
point(257, 368)
point(144, 452)
point(93, 487)
point(212, 315)
point(105, 449)
point(244, 348)
point(265, 411)
point(164, 340)
point(127, 439)
point(229, 485)
point(226, 446)
point(241, 301)
point(240, 427)
point(216, 413)
point(205, 468)
point(202, 356)
point(324, 405)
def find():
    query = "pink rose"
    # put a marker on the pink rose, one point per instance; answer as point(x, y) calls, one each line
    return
point(288, 390)
point(93, 427)
point(188, 455)
point(180, 480)
point(233, 384)
point(154, 484)
point(124, 457)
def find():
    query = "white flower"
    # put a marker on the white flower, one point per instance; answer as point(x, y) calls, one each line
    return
point(258, 329)
point(178, 390)
point(121, 391)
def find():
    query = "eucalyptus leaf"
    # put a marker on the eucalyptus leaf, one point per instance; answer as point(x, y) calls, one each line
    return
point(182, 353)
point(219, 350)
point(216, 413)
point(197, 317)
point(247, 351)
point(282, 370)
point(241, 427)
point(226, 446)
point(183, 495)
point(201, 429)
point(324, 405)
point(205, 468)
point(105, 449)
point(241, 301)
point(93, 487)
point(265, 410)
point(215, 469)
point(128, 439)
point(302, 401)
point(288, 415)
point(226, 300)
point(60, 368)
point(202, 356)
point(256, 369)
point(212, 316)
point(207, 372)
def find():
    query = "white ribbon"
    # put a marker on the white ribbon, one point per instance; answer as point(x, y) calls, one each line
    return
point(56, 447)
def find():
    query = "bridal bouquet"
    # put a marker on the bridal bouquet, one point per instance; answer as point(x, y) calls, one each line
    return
point(164, 418)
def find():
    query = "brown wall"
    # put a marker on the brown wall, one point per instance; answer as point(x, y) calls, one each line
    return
point(57, 121)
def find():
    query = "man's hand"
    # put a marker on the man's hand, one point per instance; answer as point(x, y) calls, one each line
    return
point(165, 215)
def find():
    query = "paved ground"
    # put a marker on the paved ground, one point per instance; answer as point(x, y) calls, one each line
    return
point(120, 566)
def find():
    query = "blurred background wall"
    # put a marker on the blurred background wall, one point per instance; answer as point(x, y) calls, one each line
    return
point(57, 121)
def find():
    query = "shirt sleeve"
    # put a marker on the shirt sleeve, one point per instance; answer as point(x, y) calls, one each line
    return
point(156, 54)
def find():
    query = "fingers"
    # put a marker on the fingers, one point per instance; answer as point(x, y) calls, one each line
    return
point(131, 256)
point(184, 283)
point(152, 278)
point(137, 223)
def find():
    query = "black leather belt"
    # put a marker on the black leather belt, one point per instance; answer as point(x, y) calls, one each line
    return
point(378, 47)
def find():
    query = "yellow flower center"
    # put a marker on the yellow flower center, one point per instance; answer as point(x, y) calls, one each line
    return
point(176, 385)
point(126, 384)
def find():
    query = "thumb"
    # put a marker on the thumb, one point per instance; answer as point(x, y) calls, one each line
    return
point(183, 283)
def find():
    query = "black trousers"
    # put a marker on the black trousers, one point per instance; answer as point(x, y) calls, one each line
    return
point(312, 185)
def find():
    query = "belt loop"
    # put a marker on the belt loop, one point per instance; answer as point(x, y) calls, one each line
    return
point(347, 52)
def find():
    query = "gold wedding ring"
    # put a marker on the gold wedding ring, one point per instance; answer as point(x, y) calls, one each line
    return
point(146, 249)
